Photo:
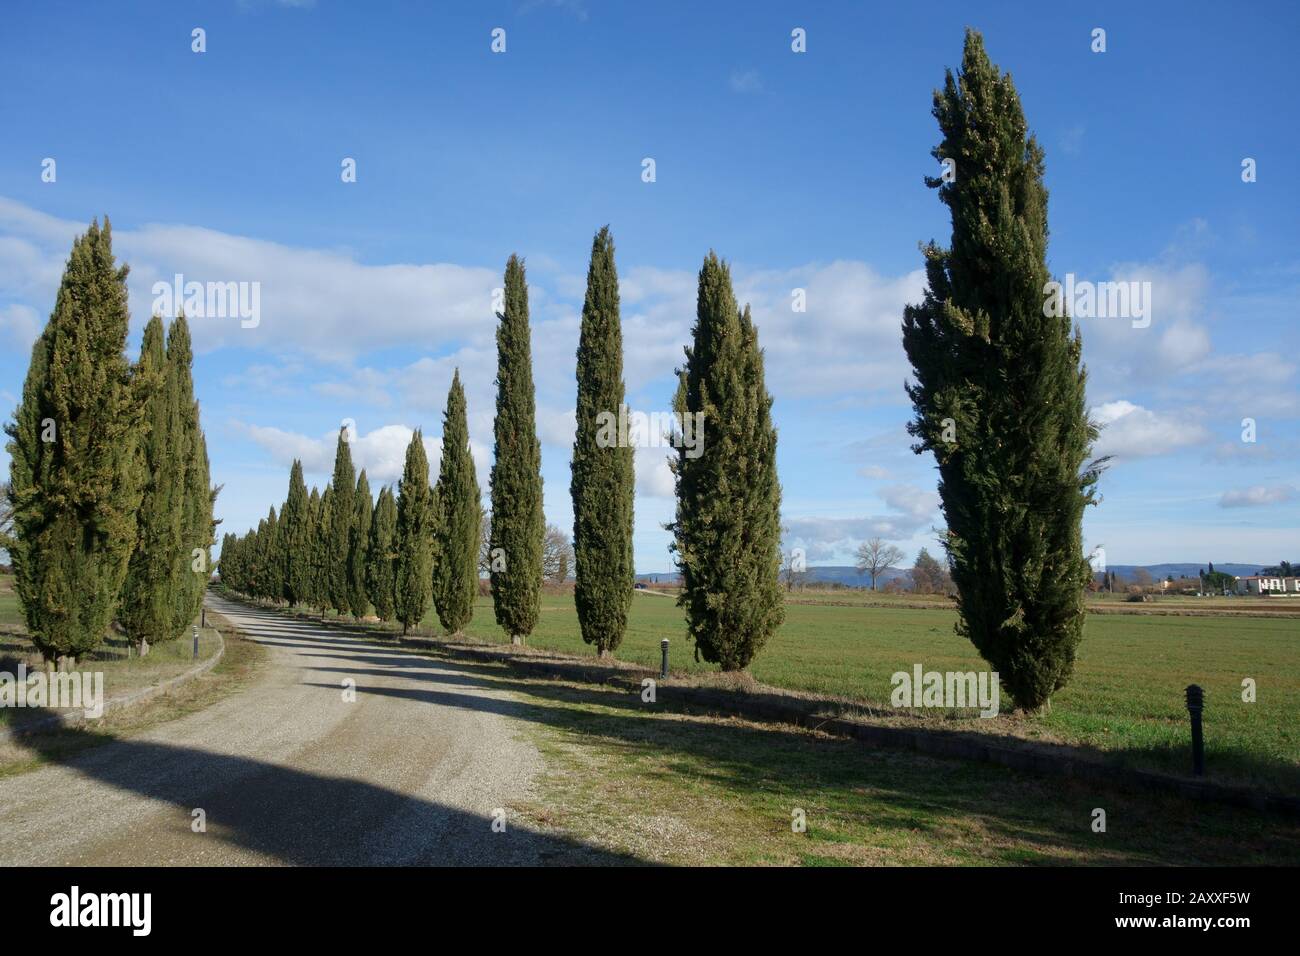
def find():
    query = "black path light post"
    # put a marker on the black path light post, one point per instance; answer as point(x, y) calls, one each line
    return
point(1196, 704)
point(196, 642)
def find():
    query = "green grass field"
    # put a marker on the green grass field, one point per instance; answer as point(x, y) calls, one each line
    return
point(1126, 696)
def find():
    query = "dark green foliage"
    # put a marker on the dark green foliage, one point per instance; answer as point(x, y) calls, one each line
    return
point(312, 596)
point(603, 482)
point(459, 510)
point(197, 527)
point(415, 533)
point(516, 478)
point(381, 556)
point(1006, 383)
point(342, 514)
point(270, 565)
point(359, 548)
point(728, 529)
point(320, 551)
point(75, 496)
point(148, 595)
point(295, 537)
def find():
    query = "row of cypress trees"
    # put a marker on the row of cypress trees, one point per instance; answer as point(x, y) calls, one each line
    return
point(342, 550)
point(111, 494)
point(999, 398)
point(423, 542)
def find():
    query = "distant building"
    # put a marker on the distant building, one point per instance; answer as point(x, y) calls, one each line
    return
point(1269, 586)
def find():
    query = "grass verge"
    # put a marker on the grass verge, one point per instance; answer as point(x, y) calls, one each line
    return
point(238, 666)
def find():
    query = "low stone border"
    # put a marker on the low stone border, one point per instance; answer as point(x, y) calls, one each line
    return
point(119, 703)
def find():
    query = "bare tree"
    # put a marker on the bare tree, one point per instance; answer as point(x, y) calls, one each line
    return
point(557, 555)
point(875, 556)
point(6, 516)
point(794, 569)
point(485, 545)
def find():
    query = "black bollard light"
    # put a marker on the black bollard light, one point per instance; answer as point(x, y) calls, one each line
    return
point(196, 642)
point(1195, 705)
point(663, 668)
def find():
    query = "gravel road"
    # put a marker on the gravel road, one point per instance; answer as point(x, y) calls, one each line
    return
point(286, 771)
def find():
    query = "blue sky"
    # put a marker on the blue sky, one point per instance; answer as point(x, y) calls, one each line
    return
point(803, 170)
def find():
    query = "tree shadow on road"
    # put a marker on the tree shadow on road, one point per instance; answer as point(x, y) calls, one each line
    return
point(303, 818)
point(1048, 819)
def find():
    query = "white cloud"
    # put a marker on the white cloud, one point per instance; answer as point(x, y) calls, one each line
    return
point(381, 452)
point(1131, 431)
point(917, 503)
point(1257, 496)
point(654, 479)
point(322, 302)
point(20, 324)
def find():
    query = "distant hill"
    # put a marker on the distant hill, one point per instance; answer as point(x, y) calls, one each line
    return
point(850, 576)
point(1162, 571)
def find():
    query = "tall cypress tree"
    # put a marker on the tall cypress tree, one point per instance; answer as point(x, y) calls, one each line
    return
point(344, 495)
point(76, 478)
point(322, 564)
point(999, 392)
point(190, 566)
point(381, 556)
point(603, 482)
point(455, 575)
point(311, 581)
point(148, 598)
point(270, 563)
point(516, 480)
point(359, 548)
point(728, 527)
point(295, 537)
point(415, 532)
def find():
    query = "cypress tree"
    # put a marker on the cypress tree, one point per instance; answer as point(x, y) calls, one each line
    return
point(295, 537)
point(342, 515)
point(76, 480)
point(516, 479)
point(999, 392)
point(381, 576)
point(270, 564)
point(226, 562)
point(322, 566)
point(728, 528)
point(148, 596)
point(455, 575)
point(603, 482)
point(415, 532)
point(190, 566)
point(312, 595)
point(359, 548)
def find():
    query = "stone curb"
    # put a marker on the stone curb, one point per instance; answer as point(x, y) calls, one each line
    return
point(9, 734)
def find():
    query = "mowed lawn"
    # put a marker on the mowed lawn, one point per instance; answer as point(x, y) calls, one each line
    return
point(1127, 695)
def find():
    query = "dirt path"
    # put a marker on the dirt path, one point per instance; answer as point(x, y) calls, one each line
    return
point(288, 771)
